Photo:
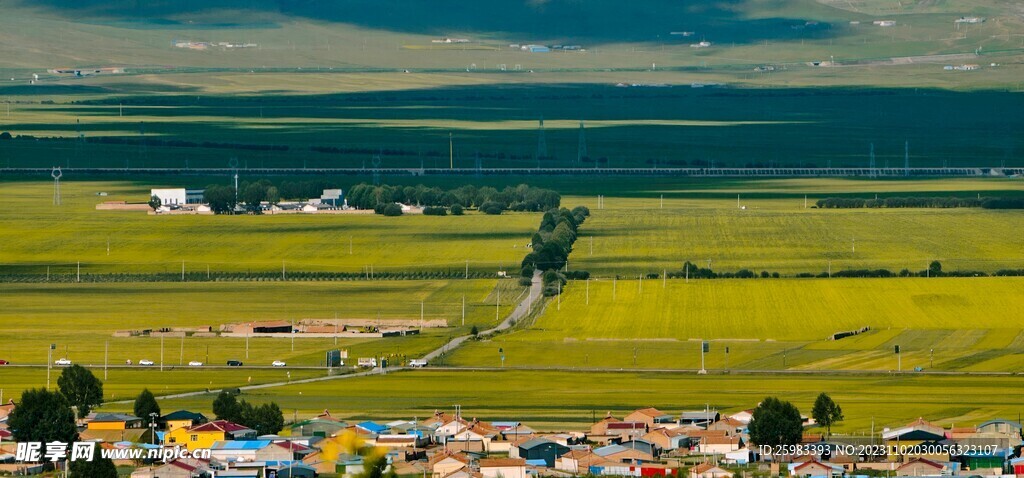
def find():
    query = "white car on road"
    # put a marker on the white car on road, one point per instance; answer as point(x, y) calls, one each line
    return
point(145, 362)
point(278, 363)
point(62, 361)
point(195, 363)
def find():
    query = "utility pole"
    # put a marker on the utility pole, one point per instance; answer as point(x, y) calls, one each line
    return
point(451, 152)
point(588, 291)
point(464, 308)
point(106, 346)
point(161, 353)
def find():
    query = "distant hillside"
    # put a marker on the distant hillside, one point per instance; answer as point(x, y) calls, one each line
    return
point(740, 21)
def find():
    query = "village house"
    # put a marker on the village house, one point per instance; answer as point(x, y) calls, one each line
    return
point(920, 467)
point(729, 425)
point(719, 445)
point(182, 419)
point(175, 469)
point(206, 434)
point(578, 462)
point(113, 421)
point(709, 470)
point(903, 439)
point(447, 462)
point(541, 449)
point(667, 439)
point(621, 454)
point(650, 417)
point(814, 468)
point(502, 467)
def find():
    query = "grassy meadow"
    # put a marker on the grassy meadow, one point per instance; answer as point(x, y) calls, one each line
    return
point(946, 324)
point(82, 318)
point(37, 234)
point(640, 235)
point(571, 400)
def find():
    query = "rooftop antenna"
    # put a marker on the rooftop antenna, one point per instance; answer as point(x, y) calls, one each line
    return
point(581, 152)
point(542, 144)
point(56, 174)
point(906, 158)
point(872, 165)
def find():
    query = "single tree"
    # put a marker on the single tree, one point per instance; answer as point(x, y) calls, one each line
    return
point(474, 331)
point(935, 269)
point(776, 422)
point(826, 412)
point(82, 389)
point(457, 209)
point(155, 202)
point(226, 407)
point(43, 416)
point(146, 406)
point(99, 467)
point(267, 419)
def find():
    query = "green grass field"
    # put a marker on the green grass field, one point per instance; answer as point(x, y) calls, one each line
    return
point(941, 324)
point(81, 318)
point(634, 236)
point(36, 234)
point(570, 400)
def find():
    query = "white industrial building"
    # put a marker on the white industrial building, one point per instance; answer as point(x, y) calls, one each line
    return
point(178, 196)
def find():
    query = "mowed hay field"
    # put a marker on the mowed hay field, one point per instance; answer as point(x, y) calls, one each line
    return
point(35, 234)
point(971, 324)
point(633, 236)
point(550, 400)
point(82, 318)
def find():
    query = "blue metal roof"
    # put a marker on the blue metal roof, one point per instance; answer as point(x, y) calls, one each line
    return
point(539, 462)
point(372, 427)
point(241, 445)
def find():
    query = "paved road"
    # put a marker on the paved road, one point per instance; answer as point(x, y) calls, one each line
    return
point(521, 311)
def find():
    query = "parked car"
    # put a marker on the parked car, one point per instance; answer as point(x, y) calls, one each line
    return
point(278, 363)
point(195, 363)
point(62, 361)
point(4, 362)
point(418, 363)
point(234, 363)
point(145, 362)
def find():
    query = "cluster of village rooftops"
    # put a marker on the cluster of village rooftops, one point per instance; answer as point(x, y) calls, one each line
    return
point(645, 442)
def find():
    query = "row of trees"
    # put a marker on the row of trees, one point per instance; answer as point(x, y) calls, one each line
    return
point(693, 271)
point(552, 244)
point(518, 198)
point(921, 202)
point(266, 419)
point(223, 199)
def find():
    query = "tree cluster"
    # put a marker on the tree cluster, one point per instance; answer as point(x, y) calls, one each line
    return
point(222, 199)
point(552, 244)
point(776, 422)
point(266, 419)
point(519, 198)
